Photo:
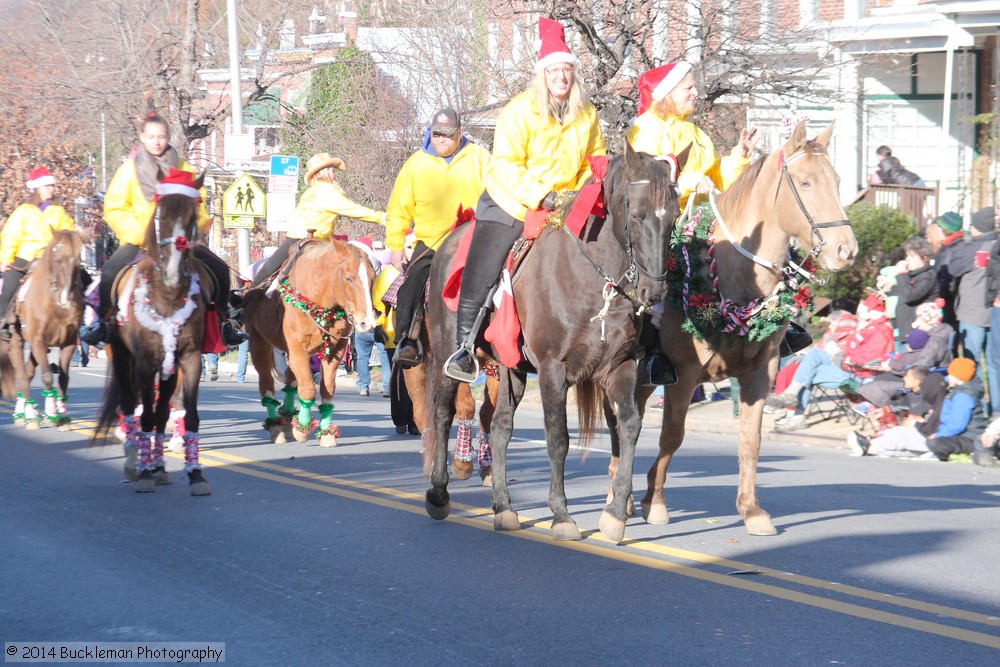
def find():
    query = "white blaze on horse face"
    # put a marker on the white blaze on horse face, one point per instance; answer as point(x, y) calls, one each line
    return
point(367, 323)
point(172, 272)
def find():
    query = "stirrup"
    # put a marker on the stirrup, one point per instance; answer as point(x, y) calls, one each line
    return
point(405, 362)
point(657, 370)
point(460, 374)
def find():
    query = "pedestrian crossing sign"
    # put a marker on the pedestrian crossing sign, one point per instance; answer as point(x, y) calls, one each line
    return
point(244, 198)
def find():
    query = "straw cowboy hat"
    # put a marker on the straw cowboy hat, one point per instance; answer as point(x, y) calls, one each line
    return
point(321, 161)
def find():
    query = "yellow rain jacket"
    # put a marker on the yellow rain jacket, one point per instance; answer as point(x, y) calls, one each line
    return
point(320, 207)
point(534, 155)
point(128, 213)
point(386, 320)
point(428, 191)
point(29, 229)
point(658, 136)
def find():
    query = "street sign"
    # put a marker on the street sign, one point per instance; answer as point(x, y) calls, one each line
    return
point(244, 198)
point(282, 184)
point(237, 222)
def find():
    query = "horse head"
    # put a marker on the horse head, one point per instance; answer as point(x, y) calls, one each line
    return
point(355, 290)
point(171, 234)
point(808, 193)
point(62, 261)
point(650, 209)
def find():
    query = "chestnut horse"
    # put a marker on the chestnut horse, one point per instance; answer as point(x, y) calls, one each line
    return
point(578, 302)
point(788, 196)
point(162, 304)
point(48, 316)
point(326, 296)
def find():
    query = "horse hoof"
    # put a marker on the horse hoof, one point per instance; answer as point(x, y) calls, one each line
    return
point(438, 504)
point(656, 515)
point(131, 458)
point(200, 489)
point(328, 441)
point(18, 421)
point(487, 475)
point(760, 525)
point(506, 520)
point(161, 478)
point(145, 485)
point(461, 470)
point(278, 436)
point(32, 426)
point(300, 436)
point(566, 530)
point(612, 527)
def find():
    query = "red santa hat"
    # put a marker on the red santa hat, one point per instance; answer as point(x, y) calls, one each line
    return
point(551, 44)
point(178, 182)
point(655, 84)
point(39, 177)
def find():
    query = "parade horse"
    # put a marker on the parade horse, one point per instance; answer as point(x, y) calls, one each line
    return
point(162, 304)
point(325, 296)
point(578, 303)
point(48, 316)
point(789, 196)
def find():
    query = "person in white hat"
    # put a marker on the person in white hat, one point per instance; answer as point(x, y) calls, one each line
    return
point(542, 140)
point(319, 208)
point(25, 235)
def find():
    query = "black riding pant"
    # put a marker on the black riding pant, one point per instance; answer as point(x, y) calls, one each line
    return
point(411, 292)
point(220, 271)
point(11, 279)
point(400, 405)
point(125, 253)
point(274, 262)
point(494, 234)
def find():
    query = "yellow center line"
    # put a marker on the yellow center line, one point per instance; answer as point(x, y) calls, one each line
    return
point(352, 489)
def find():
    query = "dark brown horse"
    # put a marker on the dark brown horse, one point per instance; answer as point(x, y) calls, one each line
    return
point(327, 295)
point(49, 316)
point(578, 303)
point(791, 194)
point(162, 304)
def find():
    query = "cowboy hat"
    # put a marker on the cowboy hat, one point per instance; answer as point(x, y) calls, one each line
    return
point(321, 161)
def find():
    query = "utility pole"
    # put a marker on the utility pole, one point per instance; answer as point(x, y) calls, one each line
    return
point(236, 96)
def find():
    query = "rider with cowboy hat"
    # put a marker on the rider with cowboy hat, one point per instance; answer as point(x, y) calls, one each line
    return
point(542, 140)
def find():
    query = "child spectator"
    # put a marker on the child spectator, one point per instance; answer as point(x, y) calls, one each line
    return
point(910, 439)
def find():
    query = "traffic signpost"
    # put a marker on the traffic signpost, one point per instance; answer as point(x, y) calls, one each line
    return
point(282, 184)
point(242, 203)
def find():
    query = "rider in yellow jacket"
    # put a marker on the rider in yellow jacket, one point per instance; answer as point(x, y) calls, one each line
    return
point(542, 140)
point(319, 208)
point(445, 174)
point(25, 235)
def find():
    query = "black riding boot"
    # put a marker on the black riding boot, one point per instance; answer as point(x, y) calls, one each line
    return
point(654, 367)
point(796, 339)
point(462, 365)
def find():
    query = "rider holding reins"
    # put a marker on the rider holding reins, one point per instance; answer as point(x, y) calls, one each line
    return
point(542, 140)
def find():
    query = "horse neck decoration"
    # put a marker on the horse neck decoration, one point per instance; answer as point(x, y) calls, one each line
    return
point(50, 316)
point(579, 303)
point(158, 344)
point(789, 196)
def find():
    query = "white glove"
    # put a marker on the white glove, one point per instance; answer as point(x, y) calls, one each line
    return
point(656, 314)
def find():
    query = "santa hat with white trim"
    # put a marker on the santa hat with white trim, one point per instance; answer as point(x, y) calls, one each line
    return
point(655, 84)
point(39, 177)
point(551, 44)
point(178, 182)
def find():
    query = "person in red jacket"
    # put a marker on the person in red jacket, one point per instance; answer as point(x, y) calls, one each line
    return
point(864, 352)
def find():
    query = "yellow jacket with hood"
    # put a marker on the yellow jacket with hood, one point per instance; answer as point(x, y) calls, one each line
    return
point(534, 154)
point(29, 229)
point(127, 211)
point(671, 135)
point(321, 205)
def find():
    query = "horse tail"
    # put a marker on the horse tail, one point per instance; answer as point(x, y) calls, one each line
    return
point(424, 393)
point(107, 414)
point(589, 401)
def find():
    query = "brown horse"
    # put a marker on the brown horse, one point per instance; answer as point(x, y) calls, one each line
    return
point(162, 305)
point(788, 195)
point(578, 302)
point(49, 316)
point(326, 296)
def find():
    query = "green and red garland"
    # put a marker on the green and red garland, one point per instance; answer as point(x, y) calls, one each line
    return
point(693, 289)
point(324, 317)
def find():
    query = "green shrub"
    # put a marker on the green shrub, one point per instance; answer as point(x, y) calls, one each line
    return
point(879, 230)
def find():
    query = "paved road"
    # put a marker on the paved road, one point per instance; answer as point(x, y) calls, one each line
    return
point(307, 556)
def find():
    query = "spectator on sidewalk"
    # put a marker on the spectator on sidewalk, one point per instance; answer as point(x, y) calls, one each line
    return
point(915, 283)
point(967, 264)
point(908, 440)
point(890, 170)
point(944, 235)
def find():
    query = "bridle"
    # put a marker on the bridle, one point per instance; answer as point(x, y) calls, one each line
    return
point(813, 225)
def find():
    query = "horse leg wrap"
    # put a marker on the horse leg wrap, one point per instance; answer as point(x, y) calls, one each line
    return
point(191, 451)
point(288, 405)
point(270, 404)
point(130, 425)
point(31, 413)
point(50, 404)
point(304, 418)
point(485, 452)
point(157, 450)
point(325, 416)
point(19, 406)
point(145, 442)
point(463, 445)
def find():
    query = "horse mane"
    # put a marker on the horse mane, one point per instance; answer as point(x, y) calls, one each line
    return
point(739, 195)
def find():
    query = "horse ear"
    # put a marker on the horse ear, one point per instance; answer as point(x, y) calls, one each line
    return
point(824, 137)
point(683, 156)
point(797, 140)
point(200, 181)
point(633, 161)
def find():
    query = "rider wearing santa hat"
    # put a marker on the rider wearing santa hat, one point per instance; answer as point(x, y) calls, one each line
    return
point(25, 235)
point(540, 147)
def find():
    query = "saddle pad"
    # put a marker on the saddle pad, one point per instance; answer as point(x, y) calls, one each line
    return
point(454, 281)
